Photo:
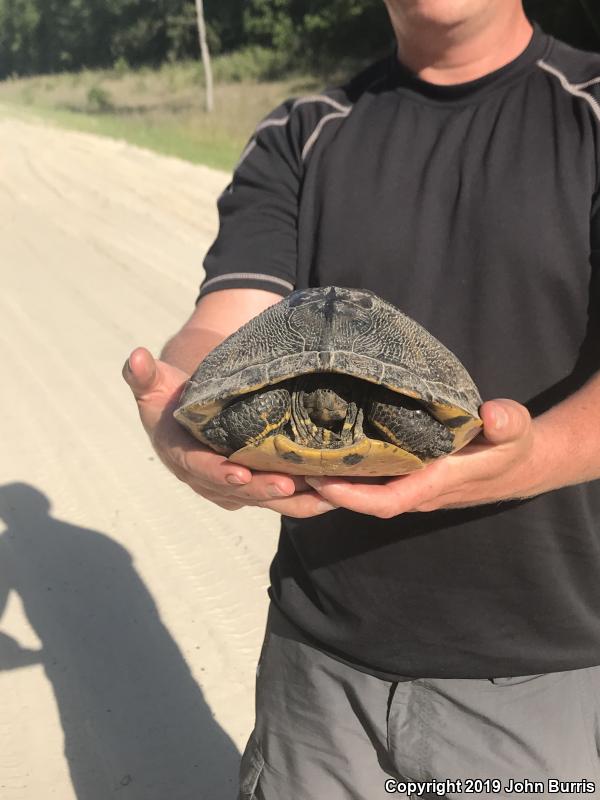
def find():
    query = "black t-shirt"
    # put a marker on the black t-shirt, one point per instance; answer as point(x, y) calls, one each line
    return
point(472, 208)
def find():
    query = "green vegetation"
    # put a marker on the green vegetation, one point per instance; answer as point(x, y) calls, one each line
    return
point(130, 68)
point(161, 109)
point(98, 99)
point(44, 36)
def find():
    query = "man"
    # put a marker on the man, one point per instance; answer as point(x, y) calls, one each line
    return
point(421, 630)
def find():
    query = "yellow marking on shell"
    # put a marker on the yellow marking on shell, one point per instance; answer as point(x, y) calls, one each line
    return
point(280, 454)
point(463, 433)
point(441, 411)
point(326, 436)
point(213, 408)
point(467, 432)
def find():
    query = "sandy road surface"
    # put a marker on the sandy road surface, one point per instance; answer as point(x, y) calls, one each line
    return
point(131, 611)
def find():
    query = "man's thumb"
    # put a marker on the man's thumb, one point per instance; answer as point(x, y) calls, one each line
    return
point(140, 372)
point(504, 420)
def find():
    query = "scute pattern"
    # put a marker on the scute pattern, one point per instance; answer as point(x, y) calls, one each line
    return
point(350, 331)
point(332, 381)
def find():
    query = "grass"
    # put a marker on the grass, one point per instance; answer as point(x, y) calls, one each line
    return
point(161, 109)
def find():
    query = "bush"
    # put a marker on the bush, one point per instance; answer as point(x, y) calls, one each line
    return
point(99, 99)
point(250, 63)
point(121, 67)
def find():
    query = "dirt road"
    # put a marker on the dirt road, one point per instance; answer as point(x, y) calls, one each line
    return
point(131, 611)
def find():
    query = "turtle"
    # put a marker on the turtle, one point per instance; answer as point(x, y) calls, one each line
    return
point(331, 381)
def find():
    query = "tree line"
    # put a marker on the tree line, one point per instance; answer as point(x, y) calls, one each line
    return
point(43, 36)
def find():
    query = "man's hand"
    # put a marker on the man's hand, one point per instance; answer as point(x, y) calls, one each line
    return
point(505, 463)
point(156, 387)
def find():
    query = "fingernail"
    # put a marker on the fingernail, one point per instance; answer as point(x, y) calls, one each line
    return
point(316, 483)
point(235, 480)
point(277, 491)
point(500, 418)
point(324, 506)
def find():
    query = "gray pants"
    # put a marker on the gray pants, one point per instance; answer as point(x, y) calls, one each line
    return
point(325, 731)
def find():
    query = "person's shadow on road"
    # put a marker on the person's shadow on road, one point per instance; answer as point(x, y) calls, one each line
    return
point(134, 719)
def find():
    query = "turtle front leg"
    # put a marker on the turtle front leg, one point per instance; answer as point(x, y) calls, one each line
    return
point(248, 421)
point(352, 429)
point(407, 424)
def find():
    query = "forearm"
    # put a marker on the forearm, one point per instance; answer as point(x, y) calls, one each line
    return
point(567, 440)
point(216, 317)
point(189, 346)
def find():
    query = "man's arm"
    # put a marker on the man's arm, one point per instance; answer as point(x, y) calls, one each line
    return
point(517, 457)
point(157, 385)
point(216, 317)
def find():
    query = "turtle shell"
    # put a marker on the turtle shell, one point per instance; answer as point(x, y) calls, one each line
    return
point(339, 331)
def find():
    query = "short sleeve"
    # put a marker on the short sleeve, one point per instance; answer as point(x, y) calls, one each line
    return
point(256, 246)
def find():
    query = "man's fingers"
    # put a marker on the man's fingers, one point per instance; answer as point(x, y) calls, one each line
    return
point(376, 499)
point(394, 496)
point(207, 469)
point(156, 386)
point(276, 485)
point(282, 493)
point(140, 372)
point(305, 504)
point(504, 420)
point(301, 506)
point(237, 482)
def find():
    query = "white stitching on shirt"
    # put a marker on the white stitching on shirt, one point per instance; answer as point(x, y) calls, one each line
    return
point(312, 98)
point(586, 83)
point(248, 276)
point(321, 98)
point(342, 111)
point(572, 88)
point(268, 123)
point(310, 142)
point(245, 154)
